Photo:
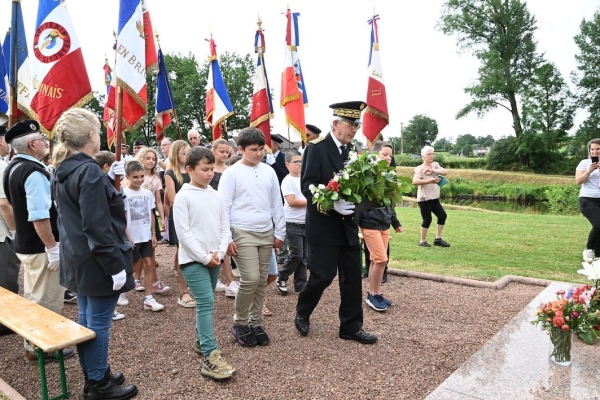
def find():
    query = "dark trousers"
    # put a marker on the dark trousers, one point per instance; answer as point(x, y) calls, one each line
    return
point(432, 206)
point(590, 208)
point(296, 260)
point(325, 262)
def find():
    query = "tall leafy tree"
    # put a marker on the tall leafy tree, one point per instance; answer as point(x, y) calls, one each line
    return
point(549, 107)
point(420, 131)
point(442, 144)
point(499, 33)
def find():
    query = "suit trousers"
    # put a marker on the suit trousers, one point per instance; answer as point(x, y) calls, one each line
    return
point(325, 262)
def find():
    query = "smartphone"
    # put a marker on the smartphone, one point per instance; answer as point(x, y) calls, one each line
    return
point(594, 159)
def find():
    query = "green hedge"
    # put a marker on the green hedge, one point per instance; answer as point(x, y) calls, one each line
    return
point(452, 162)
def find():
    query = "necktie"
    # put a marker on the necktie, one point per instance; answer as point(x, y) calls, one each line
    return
point(344, 152)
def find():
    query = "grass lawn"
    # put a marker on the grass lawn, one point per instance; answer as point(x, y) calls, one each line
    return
point(489, 245)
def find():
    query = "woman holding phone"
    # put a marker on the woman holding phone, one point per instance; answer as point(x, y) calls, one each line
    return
point(588, 177)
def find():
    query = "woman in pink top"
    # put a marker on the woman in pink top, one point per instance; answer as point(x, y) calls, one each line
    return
point(427, 176)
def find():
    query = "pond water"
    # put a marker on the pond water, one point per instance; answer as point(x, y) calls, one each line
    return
point(524, 207)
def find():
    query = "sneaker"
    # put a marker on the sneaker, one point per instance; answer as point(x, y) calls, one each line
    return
point(588, 256)
point(138, 286)
point(244, 335)
point(117, 315)
point(424, 244)
point(123, 300)
point(262, 339)
point(160, 288)
point(387, 302)
point(70, 297)
point(365, 275)
point(220, 286)
point(150, 303)
point(232, 289)
point(376, 302)
point(282, 286)
point(32, 357)
point(440, 242)
point(197, 348)
point(235, 272)
point(216, 367)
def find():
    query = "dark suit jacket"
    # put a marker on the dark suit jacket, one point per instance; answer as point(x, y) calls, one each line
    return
point(279, 166)
point(319, 163)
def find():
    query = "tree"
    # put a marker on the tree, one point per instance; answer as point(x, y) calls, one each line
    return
point(96, 105)
point(500, 35)
point(485, 141)
point(548, 107)
point(442, 144)
point(420, 131)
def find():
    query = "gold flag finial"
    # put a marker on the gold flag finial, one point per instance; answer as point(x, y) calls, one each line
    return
point(157, 39)
point(259, 23)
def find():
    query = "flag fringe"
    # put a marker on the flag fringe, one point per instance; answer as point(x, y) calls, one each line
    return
point(223, 118)
point(377, 113)
point(289, 98)
point(261, 119)
point(130, 91)
point(291, 122)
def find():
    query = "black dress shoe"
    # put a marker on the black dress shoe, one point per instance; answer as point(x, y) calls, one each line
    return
point(360, 336)
point(302, 325)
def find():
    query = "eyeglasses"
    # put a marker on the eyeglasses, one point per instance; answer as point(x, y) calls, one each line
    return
point(297, 162)
point(351, 125)
point(42, 138)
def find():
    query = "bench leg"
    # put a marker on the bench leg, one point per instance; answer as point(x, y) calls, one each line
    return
point(42, 368)
point(63, 377)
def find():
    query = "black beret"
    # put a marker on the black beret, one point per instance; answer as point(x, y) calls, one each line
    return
point(138, 143)
point(349, 110)
point(313, 129)
point(276, 138)
point(22, 128)
point(3, 130)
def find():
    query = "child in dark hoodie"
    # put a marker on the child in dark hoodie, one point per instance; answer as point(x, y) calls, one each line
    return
point(375, 227)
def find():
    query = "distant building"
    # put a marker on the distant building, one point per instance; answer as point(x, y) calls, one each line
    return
point(481, 151)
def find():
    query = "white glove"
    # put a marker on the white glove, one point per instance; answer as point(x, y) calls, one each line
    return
point(11, 234)
point(343, 207)
point(119, 280)
point(128, 158)
point(117, 168)
point(53, 257)
point(270, 159)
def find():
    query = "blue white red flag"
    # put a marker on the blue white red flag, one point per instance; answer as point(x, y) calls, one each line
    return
point(6, 51)
point(4, 99)
point(218, 105)
point(376, 115)
point(107, 75)
point(293, 90)
point(164, 98)
point(59, 76)
point(262, 103)
point(19, 73)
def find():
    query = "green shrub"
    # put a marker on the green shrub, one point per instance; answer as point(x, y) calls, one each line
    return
point(562, 199)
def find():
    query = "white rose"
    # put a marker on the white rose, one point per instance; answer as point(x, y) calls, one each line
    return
point(321, 186)
point(346, 175)
point(336, 178)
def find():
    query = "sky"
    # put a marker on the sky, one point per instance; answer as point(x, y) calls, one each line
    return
point(424, 72)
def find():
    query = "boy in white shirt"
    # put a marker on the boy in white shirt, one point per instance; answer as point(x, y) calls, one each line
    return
point(139, 203)
point(294, 210)
point(252, 199)
point(203, 235)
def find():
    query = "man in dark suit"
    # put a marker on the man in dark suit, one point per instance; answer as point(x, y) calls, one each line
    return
point(333, 235)
point(277, 159)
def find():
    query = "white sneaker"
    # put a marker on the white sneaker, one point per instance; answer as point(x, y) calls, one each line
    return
point(220, 286)
point(139, 286)
point(232, 289)
point(123, 299)
point(151, 304)
point(588, 255)
point(117, 315)
point(235, 272)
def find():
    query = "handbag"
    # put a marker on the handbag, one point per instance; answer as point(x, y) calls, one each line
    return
point(443, 180)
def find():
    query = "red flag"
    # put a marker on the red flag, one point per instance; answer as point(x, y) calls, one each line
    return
point(376, 115)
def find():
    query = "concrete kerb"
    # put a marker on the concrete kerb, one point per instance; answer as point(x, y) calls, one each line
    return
point(498, 285)
point(8, 393)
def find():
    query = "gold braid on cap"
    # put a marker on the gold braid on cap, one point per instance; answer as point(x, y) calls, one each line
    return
point(347, 113)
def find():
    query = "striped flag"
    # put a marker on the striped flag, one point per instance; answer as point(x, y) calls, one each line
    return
point(293, 91)
point(218, 105)
point(19, 73)
point(376, 115)
point(4, 99)
point(262, 104)
point(59, 76)
point(164, 99)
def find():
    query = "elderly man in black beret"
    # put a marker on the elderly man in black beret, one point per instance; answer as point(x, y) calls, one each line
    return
point(27, 188)
point(332, 235)
point(9, 267)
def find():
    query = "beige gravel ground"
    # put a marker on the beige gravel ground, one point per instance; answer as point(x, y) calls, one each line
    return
point(431, 329)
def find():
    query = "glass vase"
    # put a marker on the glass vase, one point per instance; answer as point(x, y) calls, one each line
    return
point(560, 346)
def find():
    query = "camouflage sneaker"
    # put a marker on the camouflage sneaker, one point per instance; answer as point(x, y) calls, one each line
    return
point(216, 367)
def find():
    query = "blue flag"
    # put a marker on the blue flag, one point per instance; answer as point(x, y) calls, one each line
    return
point(4, 99)
point(164, 98)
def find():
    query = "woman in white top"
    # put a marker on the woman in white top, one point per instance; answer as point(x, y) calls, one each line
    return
point(427, 177)
point(588, 177)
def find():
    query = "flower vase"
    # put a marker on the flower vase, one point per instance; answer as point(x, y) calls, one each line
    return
point(560, 346)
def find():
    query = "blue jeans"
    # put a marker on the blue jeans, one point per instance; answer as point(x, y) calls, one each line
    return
point(202, 281)
point(96, 313)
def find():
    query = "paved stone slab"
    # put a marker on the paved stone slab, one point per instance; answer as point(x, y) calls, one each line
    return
point(514, 364)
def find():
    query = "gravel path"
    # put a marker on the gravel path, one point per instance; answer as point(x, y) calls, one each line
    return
point(431, 329)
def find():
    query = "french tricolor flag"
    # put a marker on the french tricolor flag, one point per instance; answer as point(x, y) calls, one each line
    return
point(262, 105)
point(218, 105)
point(376, 115)
point(59, 77)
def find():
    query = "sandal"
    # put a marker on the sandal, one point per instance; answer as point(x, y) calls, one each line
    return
point(265, 311)
point(190, 303)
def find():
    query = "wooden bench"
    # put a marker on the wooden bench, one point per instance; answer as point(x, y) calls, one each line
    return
point(44, 329)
